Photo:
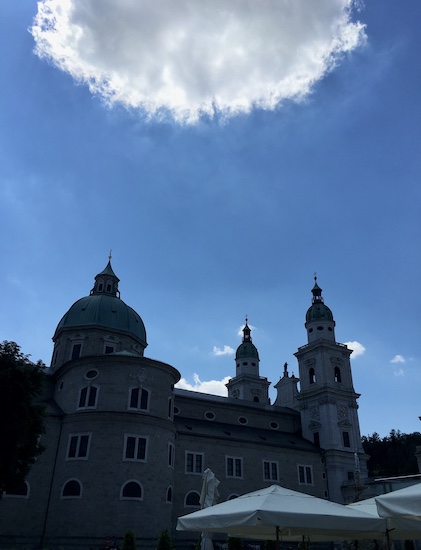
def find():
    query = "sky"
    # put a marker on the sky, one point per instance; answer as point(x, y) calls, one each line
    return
point(224, 151)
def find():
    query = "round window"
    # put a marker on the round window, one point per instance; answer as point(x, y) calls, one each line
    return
point(209, 415)
point(176, 410)
point(319, 328)
point(274, 425)
point(242, 420)
point(91, 374)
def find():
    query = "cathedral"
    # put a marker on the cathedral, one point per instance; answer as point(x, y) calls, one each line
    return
point(125, 449)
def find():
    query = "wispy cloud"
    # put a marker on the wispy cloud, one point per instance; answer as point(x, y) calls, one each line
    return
point(399, 372)
point(398, 359)
point(192, 58)
point(357, 348)
point(228, 350)
point(214, 387)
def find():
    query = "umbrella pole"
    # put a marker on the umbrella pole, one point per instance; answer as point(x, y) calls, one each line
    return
point(277, 538)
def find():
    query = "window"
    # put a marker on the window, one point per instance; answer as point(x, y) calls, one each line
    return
point(194, 463)
point(312, 376)
point(169, 494)
point(234, 466)
point(192, 499)
point(345, 437)
point(88, 397)
point(170, 405)
point(139, 399)
point(21, 490)
point(305, 475)
point(270, 471)
point(350, 476)
point(337, 374)
point(108, 349)
point(76, 349)
point(72, 489)
point(171, 452)
point(135, 448)
point(78, 447)
point(316, 438)
point(131, 490)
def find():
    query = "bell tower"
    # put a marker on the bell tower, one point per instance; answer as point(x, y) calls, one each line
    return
point(327, 400)
point(247, 383)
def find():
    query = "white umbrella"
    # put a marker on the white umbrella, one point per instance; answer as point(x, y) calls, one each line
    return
point(276, 512)
point(208, 497)
point(401, 510)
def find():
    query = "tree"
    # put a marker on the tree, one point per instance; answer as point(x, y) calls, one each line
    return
point(164, 541)
point(21, 417)
point(393, 455)
point(129, 541)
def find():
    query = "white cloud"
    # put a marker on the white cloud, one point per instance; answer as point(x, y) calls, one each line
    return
point(240, 330)
point(228, 350)
point(398, 359)
point(399, 372)
point(214, 387)
point(192, 57)
point(357, 348)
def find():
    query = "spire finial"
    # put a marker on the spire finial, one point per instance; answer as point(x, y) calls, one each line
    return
point(110, 255)
point(315, 276)
point(247, 318)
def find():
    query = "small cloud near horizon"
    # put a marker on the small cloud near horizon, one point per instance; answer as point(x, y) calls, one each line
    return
point(213, 387)
point(357, 348)
point(227, 350)
point(398, 359)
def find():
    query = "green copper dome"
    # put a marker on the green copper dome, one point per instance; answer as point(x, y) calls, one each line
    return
point(246, 348)
point(106, 312)
point(103, 308)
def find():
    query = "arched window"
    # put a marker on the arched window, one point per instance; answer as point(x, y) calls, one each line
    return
point(232, 496)
point(138, 399)
point(338, 374)
point(192, 499)
point(312, 376)
point(169, 494)
point(132, 490)
point(255, 399)
point(72, 489)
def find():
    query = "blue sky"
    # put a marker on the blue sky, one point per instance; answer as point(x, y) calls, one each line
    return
point(288, 146)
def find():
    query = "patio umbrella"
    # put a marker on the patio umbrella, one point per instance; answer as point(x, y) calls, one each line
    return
point(275, 512)
point(208, 497)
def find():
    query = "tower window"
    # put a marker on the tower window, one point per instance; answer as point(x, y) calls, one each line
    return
point(320, 328)
point(312, 376)
point(78, 447)
point(337, 374)
point(100, 287)
point(20, 490)
point(169, 494)
point(171, 455)
point(109, 349)
point(346, 440)
point(270, 471)
point(76, 349)
point(316, 439)
point(108, 288)
point(256, 399)
point(245, 363)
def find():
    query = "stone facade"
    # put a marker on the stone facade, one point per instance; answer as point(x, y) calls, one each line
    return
point(125, 449)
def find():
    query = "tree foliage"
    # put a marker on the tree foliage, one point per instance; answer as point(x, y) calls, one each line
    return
point(129, 541)
point(393, 455)
point(164, 541)
point(21, 417)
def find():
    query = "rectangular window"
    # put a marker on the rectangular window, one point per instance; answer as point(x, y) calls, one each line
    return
point(135, 448)
point(170, 407)
point(194, 463)
point(171, 452)
point(88, 397)
point(316, 438)
point(345, 437)
point(234, 466)
point(305, 475)
point(109, 349)
point(76, 349)
point(270, 471)
point(139, 399)
point(78, 447)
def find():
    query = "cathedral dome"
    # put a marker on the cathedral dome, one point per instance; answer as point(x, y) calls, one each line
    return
point(103, 308)
point(106, 312)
